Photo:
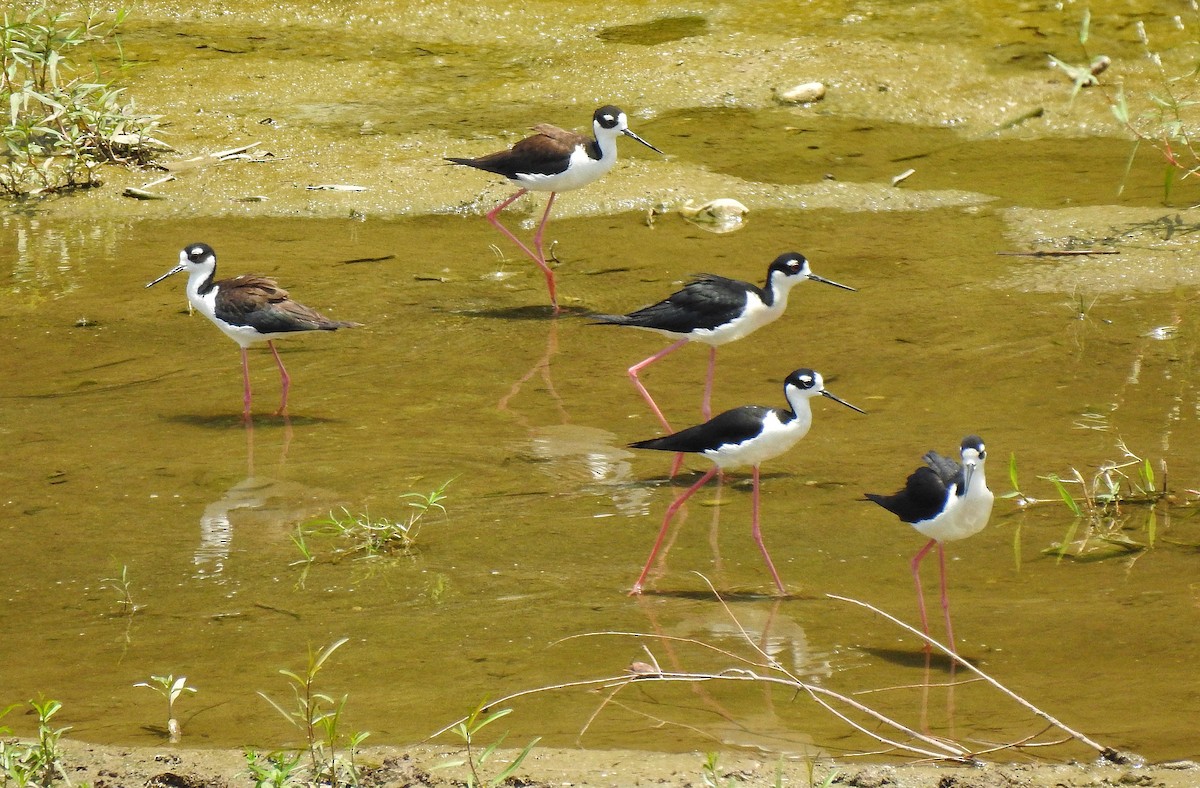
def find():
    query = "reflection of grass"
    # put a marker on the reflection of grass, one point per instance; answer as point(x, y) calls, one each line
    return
point(1097, 505)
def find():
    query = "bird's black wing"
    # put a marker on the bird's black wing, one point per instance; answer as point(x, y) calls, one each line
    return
point(706, 302)
point(923, 496)
point(731, 427)
point(946, 468)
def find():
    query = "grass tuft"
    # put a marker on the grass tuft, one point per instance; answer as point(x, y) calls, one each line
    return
point(60, 125)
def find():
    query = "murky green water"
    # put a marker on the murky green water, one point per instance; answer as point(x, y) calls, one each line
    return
point(124, 446)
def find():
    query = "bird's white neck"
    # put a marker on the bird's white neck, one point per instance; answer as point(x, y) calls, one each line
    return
point(975, 505)
point(802, 408)
point(205, 303)
point(606, 141)
point(779, 285)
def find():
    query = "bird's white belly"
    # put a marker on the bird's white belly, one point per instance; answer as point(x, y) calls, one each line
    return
point(963, 517)
point(756, 315)
point(775, 439)
point(582, 171)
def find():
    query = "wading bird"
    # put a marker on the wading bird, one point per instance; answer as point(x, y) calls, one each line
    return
point(554, 160)
point(248, 309)
point(715, 311)
point(748, 435)
point(944, 500)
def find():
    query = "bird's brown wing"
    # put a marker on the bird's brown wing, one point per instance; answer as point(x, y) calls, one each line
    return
point(259, 302)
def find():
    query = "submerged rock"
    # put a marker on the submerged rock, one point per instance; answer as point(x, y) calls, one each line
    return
point(721, 215)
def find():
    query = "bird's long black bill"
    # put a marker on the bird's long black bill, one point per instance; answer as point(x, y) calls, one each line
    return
point(639, 139)
point(174, 270)
point(825, 281)
point(842, 401)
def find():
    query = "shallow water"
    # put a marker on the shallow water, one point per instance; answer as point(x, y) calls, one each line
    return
point(121, 414)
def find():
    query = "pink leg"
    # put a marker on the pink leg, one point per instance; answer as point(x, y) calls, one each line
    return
point(537, 237)
point(758, 538)
point(945, 598)
point(246, 387)
point(916, 573)
point(638, 367)
point(538, 258)
point(676, 464)
point(283, 379)
point(541, 261)
point(662, 532)
point(706, 407)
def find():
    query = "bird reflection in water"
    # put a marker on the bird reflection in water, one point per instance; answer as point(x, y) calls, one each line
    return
point(585, 460)
point(276, 505)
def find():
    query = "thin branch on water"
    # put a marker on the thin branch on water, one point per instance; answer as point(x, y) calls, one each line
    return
point(770, 671)
point(1059, 252)
point(1106, 752)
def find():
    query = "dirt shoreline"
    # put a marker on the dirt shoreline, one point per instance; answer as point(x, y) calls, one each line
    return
point(108, 766)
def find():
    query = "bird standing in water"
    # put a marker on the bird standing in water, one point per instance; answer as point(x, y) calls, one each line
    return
point(554, 160)
point(748, 435)
point(248, 309)
point(944, 500)
point(715, 311)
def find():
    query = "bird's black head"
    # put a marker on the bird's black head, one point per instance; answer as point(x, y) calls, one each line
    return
point(976, 443)
point(609, 117)
point(196, 253)
point(790, 264)
point(803, 379)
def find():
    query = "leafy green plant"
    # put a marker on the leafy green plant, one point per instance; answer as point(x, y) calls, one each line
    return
point(307, 556)
point(810, 773)
point(1021, 498)
point(1163, 117)
point(318, 716)
point(121, 585)
point(1099, 505)
point(171, 689)
point(373, 537)
point(711, 774)
point(38, 763)
point(59, 128)
point(274, 770)
point(476, 759)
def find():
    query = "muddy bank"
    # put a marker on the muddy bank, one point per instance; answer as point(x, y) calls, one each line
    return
point(110, 767)
point(376, 101)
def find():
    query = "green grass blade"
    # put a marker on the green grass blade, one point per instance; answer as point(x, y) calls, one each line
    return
point(508, 771)
point(1066, 496)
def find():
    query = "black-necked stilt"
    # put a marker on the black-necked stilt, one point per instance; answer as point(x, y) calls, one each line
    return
point(944, 500)
point(715, 311)
point(555, 160)
point(248, 309)
point(748, 435)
